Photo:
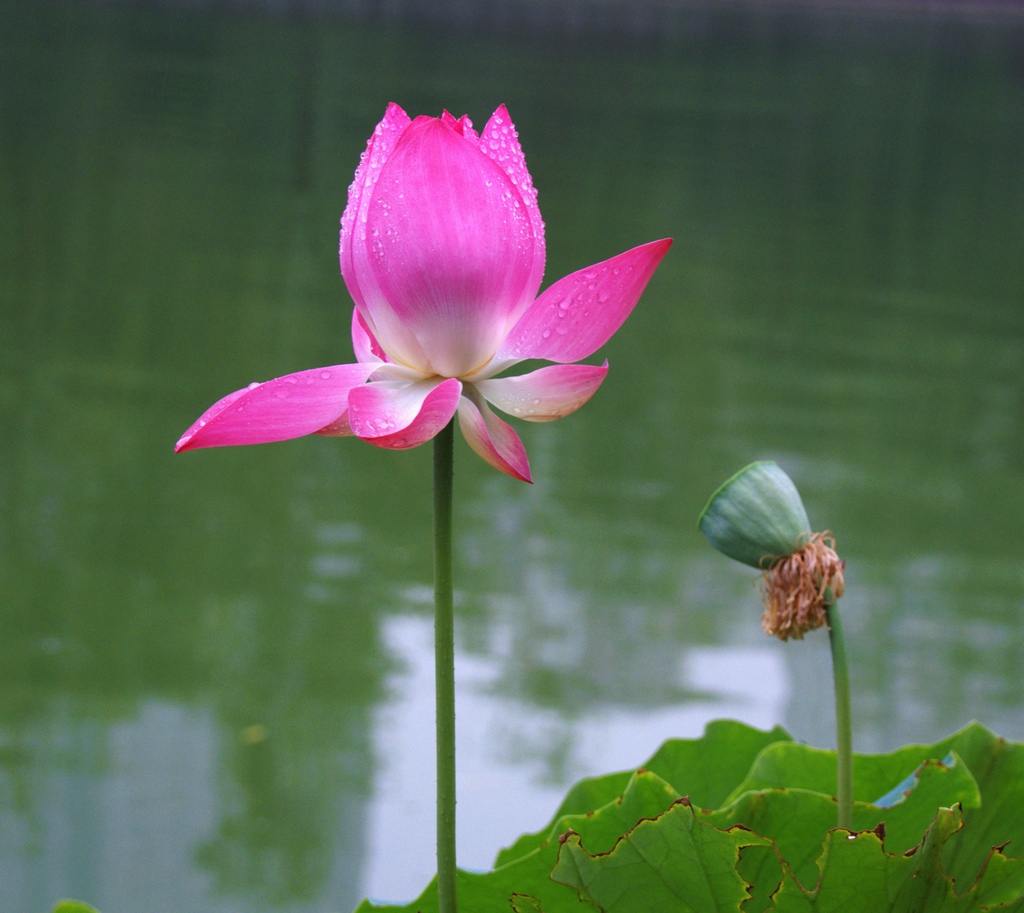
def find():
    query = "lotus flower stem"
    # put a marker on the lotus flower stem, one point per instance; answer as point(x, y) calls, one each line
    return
point(444, 665)
point(844, 736)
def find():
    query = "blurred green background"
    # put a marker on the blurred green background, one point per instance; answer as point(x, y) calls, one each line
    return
point(215, 686)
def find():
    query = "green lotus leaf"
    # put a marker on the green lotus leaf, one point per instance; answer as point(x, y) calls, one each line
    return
point(798, 821)
point(857, 875)
point(675, 862)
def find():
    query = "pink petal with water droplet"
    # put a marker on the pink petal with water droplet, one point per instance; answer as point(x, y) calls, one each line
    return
point(353, 221)
point(500, 142)
point(581, 312)
point(355, 240)
point(491, 439)
point(280, 409)
point(545, 394)
point(400, 415)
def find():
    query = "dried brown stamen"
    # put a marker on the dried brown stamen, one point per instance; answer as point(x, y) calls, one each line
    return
point(793, 587)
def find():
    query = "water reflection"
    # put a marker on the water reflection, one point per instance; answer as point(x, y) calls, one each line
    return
point(515, 757)
point(215, 686)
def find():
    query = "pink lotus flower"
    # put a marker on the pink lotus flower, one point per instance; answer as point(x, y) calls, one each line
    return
point(442, 249)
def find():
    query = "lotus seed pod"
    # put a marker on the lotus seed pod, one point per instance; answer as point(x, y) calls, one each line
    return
point(756, 517)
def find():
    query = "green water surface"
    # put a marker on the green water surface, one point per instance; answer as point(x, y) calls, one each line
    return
point(204, 659)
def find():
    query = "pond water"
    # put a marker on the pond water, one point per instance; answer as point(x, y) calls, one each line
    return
point(215, 683)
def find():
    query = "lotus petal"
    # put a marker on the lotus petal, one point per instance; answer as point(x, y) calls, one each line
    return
point(399, 415)
point(500, 141)
point(545, 394)
point(367, 348)
point(280, 409)
point(580, 312)
point(491, 439)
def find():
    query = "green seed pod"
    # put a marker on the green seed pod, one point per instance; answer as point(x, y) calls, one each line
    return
point(756, 516)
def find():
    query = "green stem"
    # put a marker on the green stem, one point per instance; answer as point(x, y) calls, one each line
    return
point(844, 734)
point(444, 668)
